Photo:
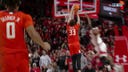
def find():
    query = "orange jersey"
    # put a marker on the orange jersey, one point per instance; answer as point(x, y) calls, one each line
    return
point(73, 39)
point(12, 28)
point(73, 33)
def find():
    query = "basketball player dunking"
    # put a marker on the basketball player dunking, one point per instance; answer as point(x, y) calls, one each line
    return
point(73, 40)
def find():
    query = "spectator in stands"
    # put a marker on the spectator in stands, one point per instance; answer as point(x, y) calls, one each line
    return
point(44, 62)
point(84, 61)
point(62, 62)
point(68, 62)
point(89, 68)
point(35, 68)
point(35, 58)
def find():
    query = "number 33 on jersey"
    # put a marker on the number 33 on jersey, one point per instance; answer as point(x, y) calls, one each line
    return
point(72, 32)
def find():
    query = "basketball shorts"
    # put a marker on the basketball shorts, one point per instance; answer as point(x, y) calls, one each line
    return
point(16, 62)
point(74, 48)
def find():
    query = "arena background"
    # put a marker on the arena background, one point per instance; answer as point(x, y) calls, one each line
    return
point(113, 26)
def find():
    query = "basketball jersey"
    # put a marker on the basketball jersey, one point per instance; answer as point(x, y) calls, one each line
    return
point(73, 33)
point(12, 28)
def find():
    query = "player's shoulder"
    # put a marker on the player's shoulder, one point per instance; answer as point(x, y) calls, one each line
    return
point(2, 11)
point(67, 25)
point(77, 25)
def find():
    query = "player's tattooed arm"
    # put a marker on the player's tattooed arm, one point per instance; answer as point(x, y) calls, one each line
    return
point(36, 38)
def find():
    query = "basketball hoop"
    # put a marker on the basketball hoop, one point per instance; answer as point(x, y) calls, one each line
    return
point(65, 5)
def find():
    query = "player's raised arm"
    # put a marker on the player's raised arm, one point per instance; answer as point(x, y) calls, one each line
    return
point(36, 38)
point(89, 20)
point(78, 18)
point(71, 14)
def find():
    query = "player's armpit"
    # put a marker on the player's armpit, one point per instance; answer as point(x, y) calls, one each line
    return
point(36, 38)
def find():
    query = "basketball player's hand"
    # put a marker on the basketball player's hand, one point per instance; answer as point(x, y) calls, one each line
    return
point(46, 46)
point(73, 7)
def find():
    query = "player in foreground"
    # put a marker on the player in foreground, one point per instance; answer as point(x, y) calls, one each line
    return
point(73, 39)
point(13, 50)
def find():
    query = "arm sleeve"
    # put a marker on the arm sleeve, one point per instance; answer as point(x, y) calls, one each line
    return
point(28, 21)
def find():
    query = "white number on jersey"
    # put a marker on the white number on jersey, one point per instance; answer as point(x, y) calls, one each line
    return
point(72, 32)
point(10, 30)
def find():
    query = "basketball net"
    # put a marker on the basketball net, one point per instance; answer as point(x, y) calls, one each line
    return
point(66, 18)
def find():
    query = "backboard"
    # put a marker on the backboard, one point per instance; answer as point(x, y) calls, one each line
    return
point(63, 7)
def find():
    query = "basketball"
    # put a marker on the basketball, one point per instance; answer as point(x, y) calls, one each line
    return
point(76, 7)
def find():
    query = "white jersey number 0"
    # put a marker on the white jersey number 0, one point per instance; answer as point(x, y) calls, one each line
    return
point(10, 30)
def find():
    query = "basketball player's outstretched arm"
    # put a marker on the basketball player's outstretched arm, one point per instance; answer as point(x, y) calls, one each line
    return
point(89, 20)
point(36, 38)
point(71, 14)
point(78, 18)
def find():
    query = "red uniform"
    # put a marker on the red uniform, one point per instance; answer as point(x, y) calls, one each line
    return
point(13, 50)
point(73, 39)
